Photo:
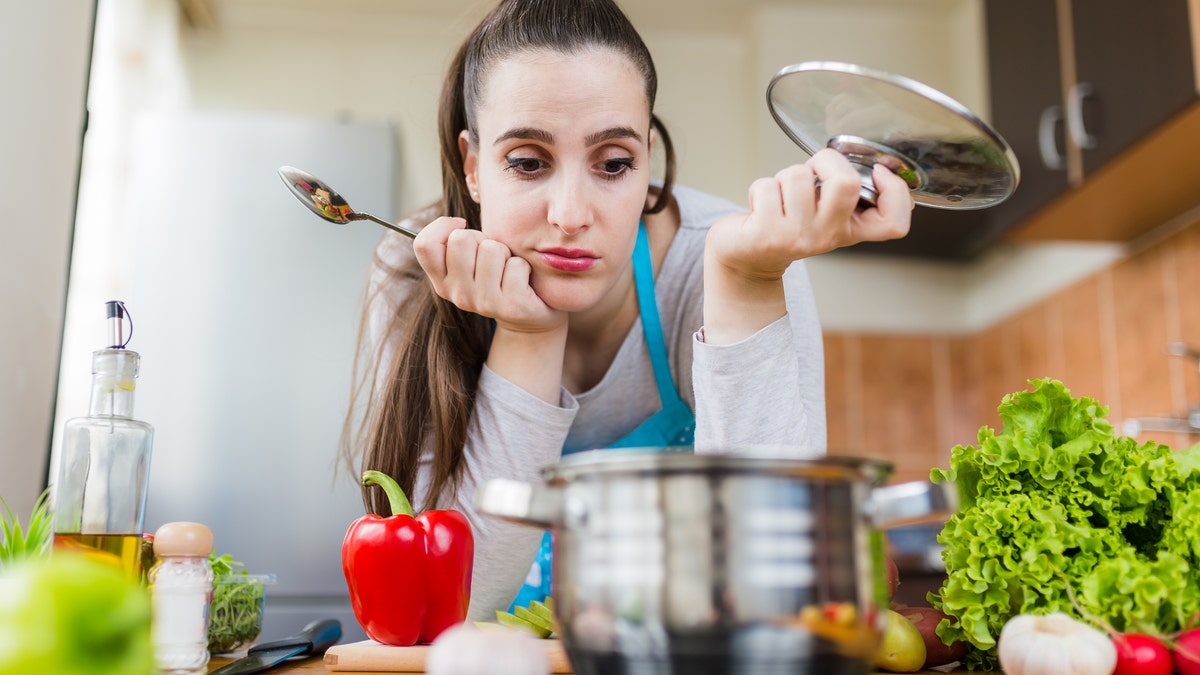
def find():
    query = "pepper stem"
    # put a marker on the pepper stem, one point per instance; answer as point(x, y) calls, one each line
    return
point(396, 498)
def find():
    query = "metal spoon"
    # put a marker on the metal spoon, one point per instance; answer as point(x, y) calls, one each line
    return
point(326, 202)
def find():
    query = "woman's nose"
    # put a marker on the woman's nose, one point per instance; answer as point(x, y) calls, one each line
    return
point(570, 207)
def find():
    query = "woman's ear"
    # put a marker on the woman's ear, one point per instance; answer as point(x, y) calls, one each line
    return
point(470, 163)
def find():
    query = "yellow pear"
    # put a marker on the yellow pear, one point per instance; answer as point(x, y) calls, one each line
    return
point(901, 648)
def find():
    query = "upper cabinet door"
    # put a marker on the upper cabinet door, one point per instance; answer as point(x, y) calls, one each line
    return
point(1027, 101)
point(1134, 70)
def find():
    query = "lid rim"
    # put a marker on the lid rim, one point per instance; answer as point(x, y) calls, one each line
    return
point(758, 459)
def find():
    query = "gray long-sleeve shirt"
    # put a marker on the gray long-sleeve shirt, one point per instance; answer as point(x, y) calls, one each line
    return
point(765, 390)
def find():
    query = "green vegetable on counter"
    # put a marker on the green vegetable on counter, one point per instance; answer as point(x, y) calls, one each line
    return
point(32, 541)
point(73, 614)
point(1060, 515)
point(236, 613)
point(537, 619)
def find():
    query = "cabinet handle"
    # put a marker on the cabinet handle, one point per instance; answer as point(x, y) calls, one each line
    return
point(1047, 147)
point(1079, 133)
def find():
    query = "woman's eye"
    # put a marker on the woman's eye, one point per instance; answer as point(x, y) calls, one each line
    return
point(614, 168)
point(526, 166)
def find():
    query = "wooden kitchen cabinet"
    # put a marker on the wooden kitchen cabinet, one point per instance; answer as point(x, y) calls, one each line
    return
point(1125, 73)
point(1026, 86)
point(1077, 87)
point(1136, 59)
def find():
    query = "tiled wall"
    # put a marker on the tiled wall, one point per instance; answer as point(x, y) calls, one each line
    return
point(911, 398)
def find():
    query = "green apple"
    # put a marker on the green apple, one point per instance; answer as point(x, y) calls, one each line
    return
point(533, 618)
point(517, 622)
point(543, 611)
point(70, 614)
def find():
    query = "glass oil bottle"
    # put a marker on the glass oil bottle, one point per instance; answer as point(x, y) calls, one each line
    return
point(99, 495)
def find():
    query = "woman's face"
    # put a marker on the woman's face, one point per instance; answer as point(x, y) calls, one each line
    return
point(562, 168)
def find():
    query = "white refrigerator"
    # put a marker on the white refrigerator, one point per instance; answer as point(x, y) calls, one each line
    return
point(245, 308)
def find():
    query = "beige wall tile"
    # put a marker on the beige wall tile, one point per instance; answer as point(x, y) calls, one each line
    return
point(1143, 367)
point(966, 407)
point(835, 393)
point(1083, 358)
point(1187, 284)
point(910, 399)
point(899, 421)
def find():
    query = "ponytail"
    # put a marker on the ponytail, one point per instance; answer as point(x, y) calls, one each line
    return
point(420, 404)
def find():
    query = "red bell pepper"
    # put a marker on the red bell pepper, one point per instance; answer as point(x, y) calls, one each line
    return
point(409, 578)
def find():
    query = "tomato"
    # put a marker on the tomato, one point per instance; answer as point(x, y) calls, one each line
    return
point(1139, 654)
point(1187, 652)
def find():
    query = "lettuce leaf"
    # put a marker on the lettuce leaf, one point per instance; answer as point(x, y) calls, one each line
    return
point(1059, 514)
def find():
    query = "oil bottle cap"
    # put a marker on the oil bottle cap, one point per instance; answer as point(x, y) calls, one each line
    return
point(117, 315)
point(191, 540)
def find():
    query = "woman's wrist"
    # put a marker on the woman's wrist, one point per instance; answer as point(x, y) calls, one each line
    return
point(531, 360)
point(737, 305)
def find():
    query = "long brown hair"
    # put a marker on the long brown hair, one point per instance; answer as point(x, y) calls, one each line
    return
point(427, 392)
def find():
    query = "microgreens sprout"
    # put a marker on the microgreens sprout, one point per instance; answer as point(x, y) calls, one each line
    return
point(236, 613)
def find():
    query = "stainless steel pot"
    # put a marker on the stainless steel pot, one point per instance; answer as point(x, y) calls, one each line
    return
point(669, 562)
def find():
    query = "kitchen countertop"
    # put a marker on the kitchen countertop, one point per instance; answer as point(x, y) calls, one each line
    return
point(317, 666)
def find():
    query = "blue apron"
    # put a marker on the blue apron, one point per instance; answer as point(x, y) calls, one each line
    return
point(674, 425)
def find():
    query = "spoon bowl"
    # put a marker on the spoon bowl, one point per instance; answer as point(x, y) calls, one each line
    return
point(326, 202)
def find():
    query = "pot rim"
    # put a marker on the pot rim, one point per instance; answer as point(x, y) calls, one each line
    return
point(775, 460)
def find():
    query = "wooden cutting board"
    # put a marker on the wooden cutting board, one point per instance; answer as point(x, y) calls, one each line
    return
point(369, 656)
point(373, 657)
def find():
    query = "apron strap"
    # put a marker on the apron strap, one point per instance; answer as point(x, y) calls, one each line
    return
point(643, 278)
point(673, 426)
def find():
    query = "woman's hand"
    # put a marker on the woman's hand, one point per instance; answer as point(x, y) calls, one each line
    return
point(788, 220)
point(481, 275)
point(746, 254)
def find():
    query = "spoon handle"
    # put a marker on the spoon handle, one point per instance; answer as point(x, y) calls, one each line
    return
point(391, 226)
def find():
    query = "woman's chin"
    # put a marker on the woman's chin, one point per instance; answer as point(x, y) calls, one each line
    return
point(568, 297)
point(575, 293)
point(569, 304)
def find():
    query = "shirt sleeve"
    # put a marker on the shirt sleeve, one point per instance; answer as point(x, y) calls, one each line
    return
point(769, 389)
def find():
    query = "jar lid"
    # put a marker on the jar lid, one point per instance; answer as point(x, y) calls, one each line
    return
point(192, 540)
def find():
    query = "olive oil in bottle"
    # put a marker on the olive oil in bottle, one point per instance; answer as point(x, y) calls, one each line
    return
point(99, 495)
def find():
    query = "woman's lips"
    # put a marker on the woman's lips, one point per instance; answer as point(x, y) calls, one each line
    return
point(568, 259)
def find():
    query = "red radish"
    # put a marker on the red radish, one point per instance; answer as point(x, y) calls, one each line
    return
point(1187, 652)
point(1139, 654)
point(893, 577)
point(937, 653)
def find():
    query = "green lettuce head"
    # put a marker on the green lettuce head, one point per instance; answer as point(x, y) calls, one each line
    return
point(1058, 514)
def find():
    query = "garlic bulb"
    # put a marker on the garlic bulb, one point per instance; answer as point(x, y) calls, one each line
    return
point(468, 650)
point(1054, 644)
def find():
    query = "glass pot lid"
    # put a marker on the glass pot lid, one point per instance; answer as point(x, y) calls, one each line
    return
point(949, 157)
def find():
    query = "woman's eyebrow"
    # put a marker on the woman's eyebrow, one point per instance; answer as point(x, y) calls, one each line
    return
point(527, 133)
point(543, 136)
point(611, 134)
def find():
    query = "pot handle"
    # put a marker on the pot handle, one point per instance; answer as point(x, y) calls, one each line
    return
point(912, 503)
point(519, 502)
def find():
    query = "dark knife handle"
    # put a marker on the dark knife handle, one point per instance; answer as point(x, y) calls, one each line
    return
point(314, 638)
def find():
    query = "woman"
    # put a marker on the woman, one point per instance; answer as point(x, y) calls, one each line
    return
point(556, 300)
